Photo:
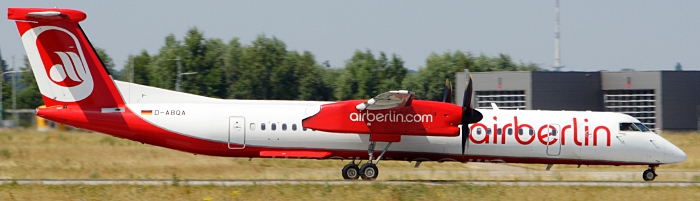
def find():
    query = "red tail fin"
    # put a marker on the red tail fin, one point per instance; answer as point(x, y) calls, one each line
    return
point(65, 65)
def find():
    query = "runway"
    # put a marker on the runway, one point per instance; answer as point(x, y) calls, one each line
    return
point(343, 182)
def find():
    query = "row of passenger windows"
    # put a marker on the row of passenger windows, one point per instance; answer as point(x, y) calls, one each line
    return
point(510, 131)
point(273, 127)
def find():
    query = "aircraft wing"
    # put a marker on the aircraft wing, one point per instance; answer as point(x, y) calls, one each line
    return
point(387, 100)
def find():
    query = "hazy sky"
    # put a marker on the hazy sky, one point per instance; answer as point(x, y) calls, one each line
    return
point(596, 35)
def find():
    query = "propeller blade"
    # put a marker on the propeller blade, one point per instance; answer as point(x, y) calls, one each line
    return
point(465, 137)
point(466, 120)
point(469, 114)
point(447, 92)
point(467, 101)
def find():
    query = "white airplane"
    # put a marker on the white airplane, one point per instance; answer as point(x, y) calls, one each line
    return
point(78, 91)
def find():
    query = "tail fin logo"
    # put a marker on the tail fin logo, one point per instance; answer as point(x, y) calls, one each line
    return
point(58, 62)
point(72, 65)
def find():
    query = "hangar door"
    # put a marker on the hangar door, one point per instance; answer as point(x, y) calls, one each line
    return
point(640, 104)
point(514, 100)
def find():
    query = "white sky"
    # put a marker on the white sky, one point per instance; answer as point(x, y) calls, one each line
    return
point(596, 34)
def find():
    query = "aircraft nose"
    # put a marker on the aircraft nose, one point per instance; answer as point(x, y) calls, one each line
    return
point(675, 155)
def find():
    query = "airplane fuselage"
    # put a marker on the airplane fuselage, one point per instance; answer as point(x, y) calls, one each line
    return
point(254, 128)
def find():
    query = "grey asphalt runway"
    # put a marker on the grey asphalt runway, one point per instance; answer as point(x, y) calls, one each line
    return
point(342, 182)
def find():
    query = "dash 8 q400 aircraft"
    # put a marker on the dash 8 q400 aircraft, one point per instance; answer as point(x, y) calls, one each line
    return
point(78, 91)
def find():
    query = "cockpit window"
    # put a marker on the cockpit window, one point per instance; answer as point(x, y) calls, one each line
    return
point(626, 127)
point(642, 127)
point(633, 127)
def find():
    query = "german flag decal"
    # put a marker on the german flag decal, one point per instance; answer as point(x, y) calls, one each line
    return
point(146, 112)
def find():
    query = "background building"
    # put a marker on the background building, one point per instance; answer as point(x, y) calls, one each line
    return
point(663, 100)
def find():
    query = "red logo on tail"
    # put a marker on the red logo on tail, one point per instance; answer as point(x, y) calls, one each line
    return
point(57, 53)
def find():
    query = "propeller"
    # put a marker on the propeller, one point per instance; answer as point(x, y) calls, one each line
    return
point(447, 92)
point(469, 114)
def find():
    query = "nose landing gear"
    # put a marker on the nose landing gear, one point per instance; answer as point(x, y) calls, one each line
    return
point(650, 174)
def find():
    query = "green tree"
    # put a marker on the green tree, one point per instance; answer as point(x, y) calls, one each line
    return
point(3, 67)
point(259, 62)
point(192, 60)
point(108, 63)
point(212, 78)
point(311, 82)
point(393, 73)
point(365, 76)
point(265, 69)
point(5, 83)
point(142, 70)
point(360, 79)
point(529, 67)
point(284, 78)
point(238, 86)
point(28, 97)
point(428, 82)
point(331, 79)
point(165, 65)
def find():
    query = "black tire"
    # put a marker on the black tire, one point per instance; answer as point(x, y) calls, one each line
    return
point(351, 172)
point(649, 175)
point(369, 171)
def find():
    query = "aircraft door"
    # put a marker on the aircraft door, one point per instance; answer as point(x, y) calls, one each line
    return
point(236, 133)
point(587, 151)
point(553, 135)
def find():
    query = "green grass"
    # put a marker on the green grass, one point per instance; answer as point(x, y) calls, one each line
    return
point(29, 154)
point(343, 192)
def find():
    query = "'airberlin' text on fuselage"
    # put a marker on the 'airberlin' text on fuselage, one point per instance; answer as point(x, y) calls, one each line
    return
point(390, 117)
point(545, 134)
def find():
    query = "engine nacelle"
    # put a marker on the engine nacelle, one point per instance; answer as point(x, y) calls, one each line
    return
point(421, 118)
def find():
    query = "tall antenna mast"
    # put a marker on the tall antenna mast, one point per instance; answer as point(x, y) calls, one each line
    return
point(557, 61)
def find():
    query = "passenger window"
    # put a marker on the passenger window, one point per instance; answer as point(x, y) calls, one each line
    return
point(488, 131)
point(303, 128)
point(273, 126)
point(554, 132)
point(262, 126)
point(294, 127)
point(478, 131)
point(284, 127)
point(520, 131)
point(532, 132)
point(252, 126)
point(510, 131)
point(499, 131)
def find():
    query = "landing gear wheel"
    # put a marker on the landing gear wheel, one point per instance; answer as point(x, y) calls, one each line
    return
point(369, 171)
point(351, 172)
point(649, 175)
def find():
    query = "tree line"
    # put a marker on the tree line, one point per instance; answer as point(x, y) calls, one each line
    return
point(266, 69)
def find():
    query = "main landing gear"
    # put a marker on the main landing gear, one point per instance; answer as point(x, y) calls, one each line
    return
point(369, 170)
point(650, 174)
